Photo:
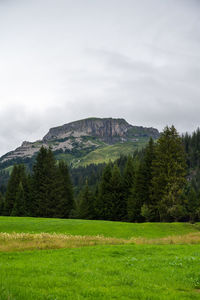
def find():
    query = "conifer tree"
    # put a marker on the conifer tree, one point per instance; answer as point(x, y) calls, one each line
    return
point(30, 203)
point(19, 208)
point(2, 203)
point(45, 188)
point(169, 175)
point(134, 202)
point(65, 200)
point(104, 199)
point(141, 191)
point(118, 202)
point(18, 175)
point(128, 182)
point(86, 210)
point(193, 204)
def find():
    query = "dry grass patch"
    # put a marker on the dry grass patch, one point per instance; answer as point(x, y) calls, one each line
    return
point(190, 238)
point(28, 241)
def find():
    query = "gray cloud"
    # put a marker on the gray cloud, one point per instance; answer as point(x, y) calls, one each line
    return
point(66, 60)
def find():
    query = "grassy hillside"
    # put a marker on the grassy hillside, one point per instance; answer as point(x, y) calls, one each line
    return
point(110, 152)
point(85, 156)
point(93, 228)
point(104, 153)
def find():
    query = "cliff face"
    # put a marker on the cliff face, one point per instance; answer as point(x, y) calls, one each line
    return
point(106, 129)
point(84, 135)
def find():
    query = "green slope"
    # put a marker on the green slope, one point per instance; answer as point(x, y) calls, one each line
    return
point(86, 227)
point(111, 152)
point(103, 153)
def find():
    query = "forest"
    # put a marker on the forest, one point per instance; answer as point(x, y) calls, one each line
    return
point(160, 183)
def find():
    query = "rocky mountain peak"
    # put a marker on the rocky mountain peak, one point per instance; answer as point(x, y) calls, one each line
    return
point(105, 129)
point(82, 137)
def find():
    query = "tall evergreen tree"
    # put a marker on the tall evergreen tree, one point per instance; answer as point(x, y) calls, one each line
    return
point(19, 208)
point(169, 174)
point(46, 191)
point(2, 203)
point(18, 175)
point(104, 199)
point(118, 202)
point(193, 204)
point(128, 182)
point(86, 210)
point(66, 201)
point(141, 191)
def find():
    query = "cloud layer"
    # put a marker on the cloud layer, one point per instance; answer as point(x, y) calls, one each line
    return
point(67, 60)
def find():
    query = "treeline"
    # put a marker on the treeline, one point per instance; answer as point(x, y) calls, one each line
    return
point(153, 185)
point(46, 192)
point(158, 183)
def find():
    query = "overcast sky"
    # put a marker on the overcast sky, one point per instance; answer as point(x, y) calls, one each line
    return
point(65, 60)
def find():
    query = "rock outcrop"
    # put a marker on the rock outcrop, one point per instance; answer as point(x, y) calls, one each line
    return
point(105, 129)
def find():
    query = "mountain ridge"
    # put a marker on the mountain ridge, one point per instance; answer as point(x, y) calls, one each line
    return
point(84, 135)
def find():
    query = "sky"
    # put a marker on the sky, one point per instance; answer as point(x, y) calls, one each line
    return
point(66, 60)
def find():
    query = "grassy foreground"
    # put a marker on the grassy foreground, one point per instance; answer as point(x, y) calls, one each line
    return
point(102, 272)
point(118, 261)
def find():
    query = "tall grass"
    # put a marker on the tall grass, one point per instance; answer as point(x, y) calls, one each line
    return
point(27, 241)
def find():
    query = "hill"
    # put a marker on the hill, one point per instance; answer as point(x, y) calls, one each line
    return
point(94, 228)
point(92, 140)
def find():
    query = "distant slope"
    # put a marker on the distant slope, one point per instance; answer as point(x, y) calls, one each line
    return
point(111, 152)
point(92, 140)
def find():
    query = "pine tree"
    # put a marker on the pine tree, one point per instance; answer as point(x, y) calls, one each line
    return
point(104, 199)
point(31, 207)
point(18, 175)
point(86, 210)
point(2, 203)
point(118, 202)
point(169, 175)
point(19, 208)
point(46, 191)
point(141, 191)
point(66, 201)
point(128, 182)
point(193, 204)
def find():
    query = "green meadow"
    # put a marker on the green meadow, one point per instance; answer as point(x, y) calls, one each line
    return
point(90, 227)
point(113, 266)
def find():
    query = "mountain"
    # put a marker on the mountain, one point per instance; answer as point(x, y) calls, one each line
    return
point(85, 141)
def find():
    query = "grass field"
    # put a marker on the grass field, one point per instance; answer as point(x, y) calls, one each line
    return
point(93, 228)
point(98, 260)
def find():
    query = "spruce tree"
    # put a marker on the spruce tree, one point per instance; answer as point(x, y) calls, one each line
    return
point(118, 202)
point(2, 203)
point(18, 175)
point(65, 201)
point(128, 182)
point(141, 192)
point(104, 199)
point(86, 210)
point(169, 175)
point(46, 190)
point(19, 208)
point(193, 204)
